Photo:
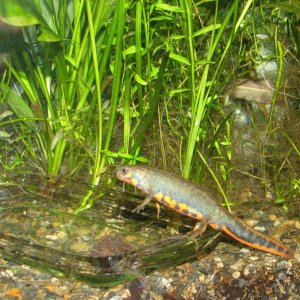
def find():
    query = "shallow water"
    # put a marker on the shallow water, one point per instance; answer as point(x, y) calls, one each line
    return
point(104, 245)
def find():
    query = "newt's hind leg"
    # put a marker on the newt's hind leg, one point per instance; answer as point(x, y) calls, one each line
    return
point(199, 228)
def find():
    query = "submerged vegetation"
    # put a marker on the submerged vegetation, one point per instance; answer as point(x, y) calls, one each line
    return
point(95, 83)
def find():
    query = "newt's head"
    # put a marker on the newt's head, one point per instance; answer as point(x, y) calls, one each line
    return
point(133, 175)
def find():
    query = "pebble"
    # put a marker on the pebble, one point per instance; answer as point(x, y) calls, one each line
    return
point(217, 259)
point(272, 218)
point(258, 214)
point(201, 278)
point(252, 222)
point(7, 274)
point(244, 250)
point(61, 234)
point(236, 274)
point(269, 196)
point(260, 228)
point(166, 282)
point(246, 272)
point(57, 236)
point(238, 265)
point(283, 265)
point(242, 283)
point(276, 223)
point(246, 194)
point(193, 289)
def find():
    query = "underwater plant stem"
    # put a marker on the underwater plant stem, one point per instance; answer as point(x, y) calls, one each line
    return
point(96, 171)
point(153, 105)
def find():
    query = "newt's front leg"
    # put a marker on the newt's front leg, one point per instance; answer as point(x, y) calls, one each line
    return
point(144, 203)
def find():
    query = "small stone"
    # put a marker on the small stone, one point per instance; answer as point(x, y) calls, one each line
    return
point(41, 231)
point(276, 223)
point(61, 234)
point(166, 282)
point(55, 280)
point(193, 289)
point(238, 265)
point(297, 224)
point(125, 294)
point(56, 224)
point(201, 278)
point(217, 259)
point(51, 237)
point(281, 275)
point(269, 195)
point(272, 218)
point(236, 274)
point(271, 277)
point(45, 224)
point(245, 250)
point(289, 222)
point(257, 214)
point(260, 228)
point(246, 194)
point(116, 297)
point(7, 274)
point(251, 222)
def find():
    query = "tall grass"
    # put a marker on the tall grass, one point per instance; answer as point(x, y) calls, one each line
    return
point(163, 57)
point(62, 82)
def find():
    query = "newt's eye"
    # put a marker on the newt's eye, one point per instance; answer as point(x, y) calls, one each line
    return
point(123, 171)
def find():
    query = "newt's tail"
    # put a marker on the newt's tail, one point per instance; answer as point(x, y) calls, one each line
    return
point(245, 234)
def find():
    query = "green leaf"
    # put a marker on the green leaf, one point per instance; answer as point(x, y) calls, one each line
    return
point(280, 200)
point(161, 18)
point(19, 12)
point(164, 6)
point(178, 91)
point(47, 35)
point(5, 135)
point(177, 37)
point(5, 114)
point(180, 59)
point(129, 50)
point(44, 12)
point(206, 29)
point(139, 79)
point(18, 105)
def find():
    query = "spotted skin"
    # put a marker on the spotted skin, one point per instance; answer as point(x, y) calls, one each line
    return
point(186, 198)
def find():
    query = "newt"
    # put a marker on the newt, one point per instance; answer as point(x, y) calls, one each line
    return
point(187, 198)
